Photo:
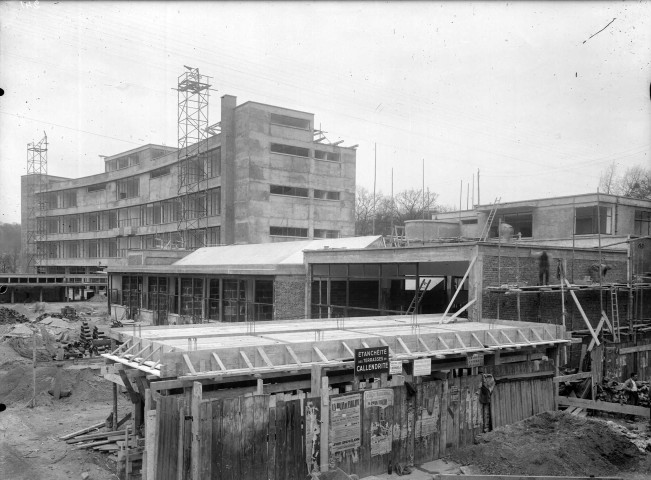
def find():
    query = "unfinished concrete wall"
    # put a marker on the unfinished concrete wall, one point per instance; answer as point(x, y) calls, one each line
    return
point(289, 298)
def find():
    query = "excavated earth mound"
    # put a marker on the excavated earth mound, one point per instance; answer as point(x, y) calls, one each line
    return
point(553, 443)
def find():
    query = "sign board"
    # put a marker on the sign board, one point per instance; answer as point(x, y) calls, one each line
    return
point(475, 360)
point(422, 366)
point(454, 394)
point(395, 368)
point(370, 362)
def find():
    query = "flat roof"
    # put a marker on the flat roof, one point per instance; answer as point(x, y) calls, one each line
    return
point(221, 350)
point(254, 259)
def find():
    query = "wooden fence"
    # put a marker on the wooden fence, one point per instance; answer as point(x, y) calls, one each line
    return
point(247, 437)
point(269, 436)
point(521, 391)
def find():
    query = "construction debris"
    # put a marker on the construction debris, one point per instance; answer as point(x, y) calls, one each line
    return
point(9, 315)
point(613, 391)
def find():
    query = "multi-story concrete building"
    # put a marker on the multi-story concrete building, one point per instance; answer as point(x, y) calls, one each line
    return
point(263, 178)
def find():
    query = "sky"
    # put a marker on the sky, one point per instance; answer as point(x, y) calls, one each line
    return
point(524, 92)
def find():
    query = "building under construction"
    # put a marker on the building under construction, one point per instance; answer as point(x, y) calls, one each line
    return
point(261, 174)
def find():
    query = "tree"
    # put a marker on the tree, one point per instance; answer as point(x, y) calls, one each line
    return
point(383, 212)
point(634, 183)
point(9, 247)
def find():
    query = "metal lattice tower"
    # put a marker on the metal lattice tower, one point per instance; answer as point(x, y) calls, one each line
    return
point(36, 236)
point(193, 94)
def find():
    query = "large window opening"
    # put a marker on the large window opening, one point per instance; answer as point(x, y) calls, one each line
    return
point(593, 220)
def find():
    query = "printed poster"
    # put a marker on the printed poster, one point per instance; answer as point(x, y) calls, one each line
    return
point(345, 422)
point(381, 430)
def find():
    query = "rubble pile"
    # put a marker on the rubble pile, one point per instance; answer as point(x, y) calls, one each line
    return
point(9, 316)
point(613, 391)
point(641, 439)
point(57, 338)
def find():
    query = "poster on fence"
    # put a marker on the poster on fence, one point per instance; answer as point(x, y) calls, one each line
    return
point(345, 422)
point(381, 429)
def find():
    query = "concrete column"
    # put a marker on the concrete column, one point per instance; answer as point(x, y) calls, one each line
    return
point(227, 230)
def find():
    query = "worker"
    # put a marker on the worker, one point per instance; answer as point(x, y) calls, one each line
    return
point(485, 394)
point(543, 269)
point(630, 387)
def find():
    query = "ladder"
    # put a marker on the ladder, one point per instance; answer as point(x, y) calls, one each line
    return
point(489, 221)
point(614, 307)
point(398, 237)
point(418, 296)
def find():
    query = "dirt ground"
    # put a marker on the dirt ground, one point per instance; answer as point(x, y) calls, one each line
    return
point(29, 443)
point(556, 443)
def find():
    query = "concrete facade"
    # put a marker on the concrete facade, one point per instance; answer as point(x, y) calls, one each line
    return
point(560, 221)
point(264, 178)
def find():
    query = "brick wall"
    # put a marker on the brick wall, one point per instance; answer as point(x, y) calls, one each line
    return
point(521, 266)
point(289, 299)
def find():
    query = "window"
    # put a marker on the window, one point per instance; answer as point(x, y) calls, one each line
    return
point(157, 153)
point(290, 150)
point(319, 233)
point(159, 172)
point(213, 236)
point(53, 225)
point(522, 223)
point(323, 155)
point(288, 232)
point(591, 220)
point(214, 162)
point(93, 249)
point(113, 219)
point(326, 195)
point(287, 121)
point(469, 221)
point(286, 190)
point(128, 188)
point(93, 222)
point(65, 199)
point(642, 222)
point(96, 188)
point(213, 202)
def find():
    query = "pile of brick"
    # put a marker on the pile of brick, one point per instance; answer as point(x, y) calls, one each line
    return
point(9, 316)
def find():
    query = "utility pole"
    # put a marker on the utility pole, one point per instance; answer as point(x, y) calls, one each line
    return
point(374, 182)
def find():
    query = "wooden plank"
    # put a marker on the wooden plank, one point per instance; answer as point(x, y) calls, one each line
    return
point(523, 376)
point(638, 348)
point(281, 440)
point(598, 329)
point(205, 443)
point(444, 418)
point(230, 443)
point(187, 447)
point(217, 440)
point(572, 378)
point(219, 361)
point(299, 440)
point(583, 315)
point(83, 430)
point(247, 439)
point(196, 435)
point(261, 430)
point(604, 406)
point(271, 446)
